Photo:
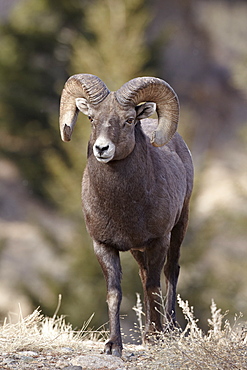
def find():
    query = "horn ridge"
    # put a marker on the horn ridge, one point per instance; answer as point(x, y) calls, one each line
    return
point(87, 86)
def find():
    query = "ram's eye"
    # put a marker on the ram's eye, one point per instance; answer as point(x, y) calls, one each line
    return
point(90, 119)
point(130, 121)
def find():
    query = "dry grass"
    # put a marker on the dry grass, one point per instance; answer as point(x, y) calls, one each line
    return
point(39, 333)
point(224, 346)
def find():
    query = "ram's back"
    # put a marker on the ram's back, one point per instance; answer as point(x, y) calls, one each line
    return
point(177, 145)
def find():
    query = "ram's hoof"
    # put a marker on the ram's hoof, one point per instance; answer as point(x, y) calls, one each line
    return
point(113, 349)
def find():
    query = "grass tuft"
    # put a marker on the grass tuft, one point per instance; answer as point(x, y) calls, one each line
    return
point(37, 333)
point(224, 346)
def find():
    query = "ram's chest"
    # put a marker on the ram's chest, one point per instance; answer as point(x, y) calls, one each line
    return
point(111, 220)
point(124, 223)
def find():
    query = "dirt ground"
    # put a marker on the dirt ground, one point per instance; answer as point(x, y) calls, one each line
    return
point(91, 356)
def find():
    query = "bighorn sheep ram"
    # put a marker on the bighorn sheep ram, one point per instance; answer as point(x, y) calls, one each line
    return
point(135, 192)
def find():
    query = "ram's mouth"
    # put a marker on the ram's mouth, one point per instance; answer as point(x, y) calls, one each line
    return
point(104, 159)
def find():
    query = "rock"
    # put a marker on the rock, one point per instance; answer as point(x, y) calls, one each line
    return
point(28, 353)
point(99, 362)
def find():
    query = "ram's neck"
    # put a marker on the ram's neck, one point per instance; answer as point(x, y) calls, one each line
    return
point(130, 175)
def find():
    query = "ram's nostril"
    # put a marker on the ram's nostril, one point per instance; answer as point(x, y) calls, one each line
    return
point(102, 149)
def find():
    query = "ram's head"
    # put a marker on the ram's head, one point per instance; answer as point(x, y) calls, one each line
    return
point(114, 114)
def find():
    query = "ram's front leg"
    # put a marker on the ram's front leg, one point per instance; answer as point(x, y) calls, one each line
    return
point(109, 260)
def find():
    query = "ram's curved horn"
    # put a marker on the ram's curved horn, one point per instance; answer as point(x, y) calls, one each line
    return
point(142, 89)
point(82, 85)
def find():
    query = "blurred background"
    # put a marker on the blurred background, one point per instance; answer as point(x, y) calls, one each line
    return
point(197, 46)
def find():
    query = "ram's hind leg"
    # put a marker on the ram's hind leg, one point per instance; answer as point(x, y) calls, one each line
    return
point(151, 263)
point(172, 267)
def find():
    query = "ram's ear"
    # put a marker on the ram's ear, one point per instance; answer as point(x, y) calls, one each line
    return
point(145, 110)
point(82, 105)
